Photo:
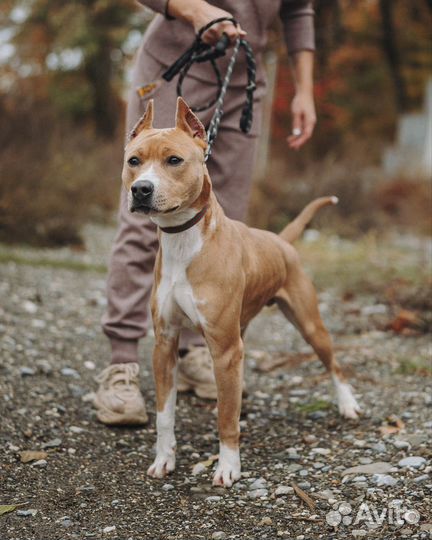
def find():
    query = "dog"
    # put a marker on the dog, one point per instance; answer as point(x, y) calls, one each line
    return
point(213, 274)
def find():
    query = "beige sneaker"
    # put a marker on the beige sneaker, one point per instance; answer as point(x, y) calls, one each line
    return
point(195, 372)
point(118, 400)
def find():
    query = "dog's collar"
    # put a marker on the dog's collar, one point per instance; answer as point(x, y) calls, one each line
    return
point(188, 224)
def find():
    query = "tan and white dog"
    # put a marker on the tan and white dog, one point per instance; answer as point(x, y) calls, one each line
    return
point(214, 274)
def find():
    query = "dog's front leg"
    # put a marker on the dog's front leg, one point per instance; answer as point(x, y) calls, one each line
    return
point(228, 368)
point(165, 374)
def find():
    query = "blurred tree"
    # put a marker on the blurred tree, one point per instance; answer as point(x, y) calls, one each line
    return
point(73, 50)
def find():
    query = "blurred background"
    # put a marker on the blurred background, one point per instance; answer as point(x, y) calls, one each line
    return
point(64, 68)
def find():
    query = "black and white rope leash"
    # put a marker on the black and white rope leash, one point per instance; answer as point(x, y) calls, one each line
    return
point(202, 52)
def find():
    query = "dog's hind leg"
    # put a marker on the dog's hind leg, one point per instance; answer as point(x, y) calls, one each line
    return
point(165, 375)
point(298, 302)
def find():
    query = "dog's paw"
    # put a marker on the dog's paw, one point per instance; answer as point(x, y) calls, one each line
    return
point(348, 406)
point(161, 466)
point(226, 475)
point(228, 469)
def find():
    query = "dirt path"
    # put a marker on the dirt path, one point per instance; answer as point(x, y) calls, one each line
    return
point(93, 478)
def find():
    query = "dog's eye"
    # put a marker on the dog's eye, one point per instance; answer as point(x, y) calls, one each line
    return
point(134, 161)
point(174, 160)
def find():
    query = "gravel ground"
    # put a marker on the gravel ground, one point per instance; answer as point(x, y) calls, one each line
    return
point(92, 483)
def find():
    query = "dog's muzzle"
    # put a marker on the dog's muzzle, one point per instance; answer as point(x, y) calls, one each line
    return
point(142, 194)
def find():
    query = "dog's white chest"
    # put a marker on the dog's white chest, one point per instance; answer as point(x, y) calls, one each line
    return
point(174, 292)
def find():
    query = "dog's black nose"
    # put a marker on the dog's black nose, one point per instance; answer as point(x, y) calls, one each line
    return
point(142, 190)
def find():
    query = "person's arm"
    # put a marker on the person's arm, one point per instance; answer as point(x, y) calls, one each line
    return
point(197, 13)
point(297, 19)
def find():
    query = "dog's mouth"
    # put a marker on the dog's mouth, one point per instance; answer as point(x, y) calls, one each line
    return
point(145, 209)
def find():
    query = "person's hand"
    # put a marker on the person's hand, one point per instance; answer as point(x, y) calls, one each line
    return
point(208, 13)
point(303, 119)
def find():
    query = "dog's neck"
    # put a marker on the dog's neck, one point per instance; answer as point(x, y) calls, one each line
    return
point(206, 202)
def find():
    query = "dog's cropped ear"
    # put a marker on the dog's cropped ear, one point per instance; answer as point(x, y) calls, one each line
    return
point(145, 122)
point(187, 121)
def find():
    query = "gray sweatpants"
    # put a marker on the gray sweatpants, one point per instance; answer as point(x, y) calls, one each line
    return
point(130, 276)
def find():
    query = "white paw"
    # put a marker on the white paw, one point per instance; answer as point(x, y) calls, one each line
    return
point(226, 475)
point(162, 465)
point(228, 469)
point(348, 406)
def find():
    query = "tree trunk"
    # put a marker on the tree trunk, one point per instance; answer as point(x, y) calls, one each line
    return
point(391, 51)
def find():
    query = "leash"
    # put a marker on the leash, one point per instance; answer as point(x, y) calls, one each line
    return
point(202, 52)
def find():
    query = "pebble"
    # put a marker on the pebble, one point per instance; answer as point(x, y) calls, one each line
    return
point(76, 429)
point(303, 472)
point(29, 307)
point(26, 513)
point(167, 487)
point(413, 461)
point(380, 467)
point(53, 443)
point(109, 529)
point(379, 447)
point(41, 463)
point(257, 493)
point(304, 485)
point(27, 372)
point(213, 498)
point(70, 372)
point(265, 521)
point(421, 478)
point(218, 535)
point(198, 468)
point(259, 483)
point(400, 445)
point(317, 415)
point(283, 490)
point(384, 480)
point(294, 467)
point(89, 364)
point(359, 533)
point(321, 451)
point(359, 479)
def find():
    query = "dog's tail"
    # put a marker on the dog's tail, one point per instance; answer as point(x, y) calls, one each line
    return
point(294, 230)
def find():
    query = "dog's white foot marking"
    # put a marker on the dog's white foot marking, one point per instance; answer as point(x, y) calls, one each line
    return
point(348, 406)
point(162, 465)
point(166, 443)
point(228, 469)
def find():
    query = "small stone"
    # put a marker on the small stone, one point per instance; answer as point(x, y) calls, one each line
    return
point(283, 490)
point(359, 533)
point(304, 485)
point(317, 415)
point(400, 445)
point(380, 467)
point(218, 535)
point(318, 465)
point(41, 463)
point(213, 498)
point(303, 472)
point(29, 307)
point(359, 479)
point(265, 521)
point(257, 493)
point(379, 447)
point(294, 467)
point(365, 460)
point(27, 372)
point(107, 530)
point(198, 468)
point(89, 364)
point(321, 451)
point(384, 480)
point(259, 483)
point(421, 478)
point(26, 513)
point(413, 461)
point(53, 443)
point(69, 372)
point(76, 429)
point(167, 487)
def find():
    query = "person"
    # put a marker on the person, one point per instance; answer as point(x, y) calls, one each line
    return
point(118, 399)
